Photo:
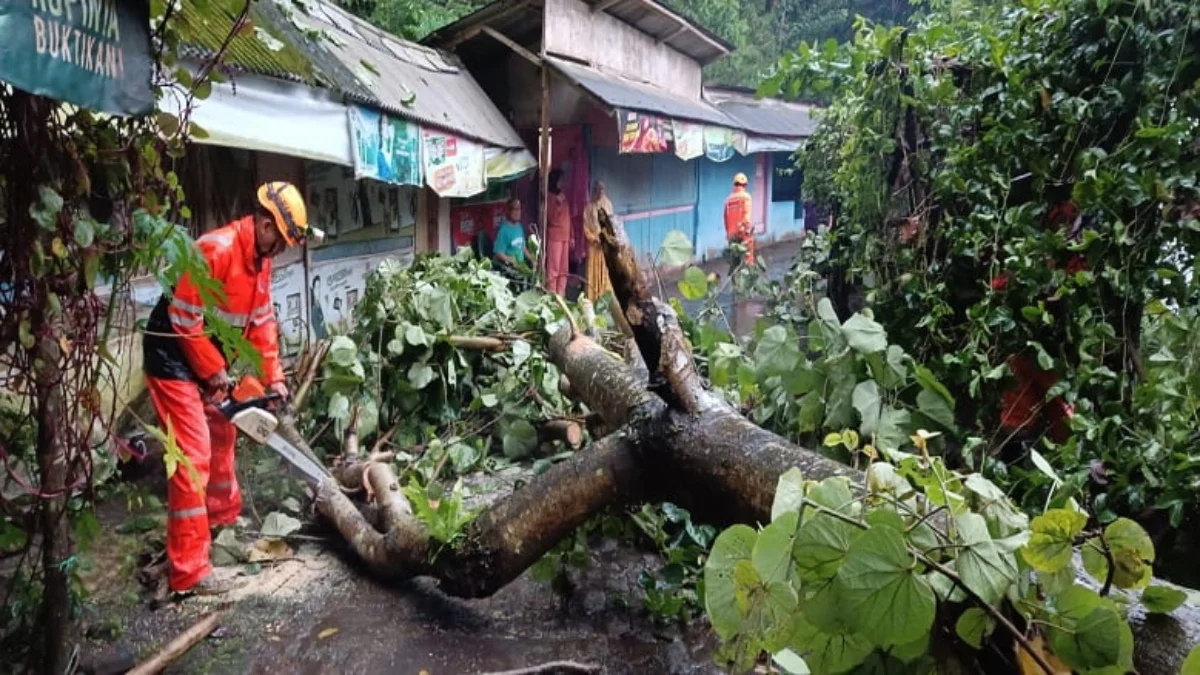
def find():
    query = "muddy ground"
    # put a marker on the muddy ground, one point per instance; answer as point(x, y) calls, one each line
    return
point(316, 611)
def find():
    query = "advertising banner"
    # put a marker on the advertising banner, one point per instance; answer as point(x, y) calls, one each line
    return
point(454, 167)
point(92, 53)
point(287, 292)
point(689, 139)
point(385, 148)
point(720, 143)
point(641, 133)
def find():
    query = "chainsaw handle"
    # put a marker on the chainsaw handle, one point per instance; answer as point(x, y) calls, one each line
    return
point(230, 407)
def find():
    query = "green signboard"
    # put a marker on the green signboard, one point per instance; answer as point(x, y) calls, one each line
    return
point(92, 53)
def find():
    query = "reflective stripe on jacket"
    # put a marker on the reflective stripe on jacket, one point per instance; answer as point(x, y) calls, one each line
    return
point(176, 345)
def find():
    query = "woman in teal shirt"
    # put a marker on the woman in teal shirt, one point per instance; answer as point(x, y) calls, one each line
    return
point(510, 250)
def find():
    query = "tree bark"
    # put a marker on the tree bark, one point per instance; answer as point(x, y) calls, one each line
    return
point(54, 468)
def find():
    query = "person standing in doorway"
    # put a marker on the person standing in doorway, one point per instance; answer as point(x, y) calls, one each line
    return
point(558, 235)
point(738, 227)
point(510, 251)
point(597, 268)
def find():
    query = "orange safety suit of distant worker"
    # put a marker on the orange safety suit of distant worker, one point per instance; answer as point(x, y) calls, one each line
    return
point(179, 355)
point(738, 225)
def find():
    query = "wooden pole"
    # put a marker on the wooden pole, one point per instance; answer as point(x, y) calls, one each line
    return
point(544, 165)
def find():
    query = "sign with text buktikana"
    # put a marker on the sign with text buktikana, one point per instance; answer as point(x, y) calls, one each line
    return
point(92, 53)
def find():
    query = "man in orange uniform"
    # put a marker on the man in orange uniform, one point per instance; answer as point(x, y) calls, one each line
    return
point(187, 374)
point(737, 219)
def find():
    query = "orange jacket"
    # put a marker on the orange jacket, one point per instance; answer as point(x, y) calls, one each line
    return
point(245, 280)
point(737, 215)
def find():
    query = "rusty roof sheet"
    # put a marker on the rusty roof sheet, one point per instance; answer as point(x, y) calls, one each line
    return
point(403, 78)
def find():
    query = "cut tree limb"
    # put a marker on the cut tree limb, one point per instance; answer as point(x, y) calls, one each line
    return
point(567, 431)
point(179, 646)
point(478, 343)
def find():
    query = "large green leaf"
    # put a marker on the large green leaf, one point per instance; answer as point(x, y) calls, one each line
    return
point(772, 555)
point(1087, 631)
point(868, 403)
point(894, 429)
point(927, 380)
point(936, 408)
point(821, 546)
point(884, 594)
point(693, 285)
point(829, 653)
point(1162, 599)
point(777, 353)
point(983, 567)
point(973, 626)
point(1052, 543)
point(342, 351)
point(720, 592)
point(676, 249)
point(1191, 665)
point(420, 375)
point(789, 493)
point(520, 440)
point(864, 334)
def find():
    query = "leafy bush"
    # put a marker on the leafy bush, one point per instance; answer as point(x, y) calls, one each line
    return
point(840, 580)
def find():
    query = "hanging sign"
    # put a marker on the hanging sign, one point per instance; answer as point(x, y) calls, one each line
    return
point(720, 143)
point(92, 53)
point(385, 148)
point(689, 139)
point(642, 133)
point(454, 167)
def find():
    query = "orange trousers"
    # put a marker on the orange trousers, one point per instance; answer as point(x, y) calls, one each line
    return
point(558, 249)
point(206, 438)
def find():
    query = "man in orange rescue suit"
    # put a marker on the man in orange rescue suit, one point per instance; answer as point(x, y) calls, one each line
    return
point(737, 220)
point(187, 375)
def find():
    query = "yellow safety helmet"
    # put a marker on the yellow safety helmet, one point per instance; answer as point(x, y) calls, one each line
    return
point(286, 204)
point(740, 179)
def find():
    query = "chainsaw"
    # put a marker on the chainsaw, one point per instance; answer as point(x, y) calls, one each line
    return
point(249, 408)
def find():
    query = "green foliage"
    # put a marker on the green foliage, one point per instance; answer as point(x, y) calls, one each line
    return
point(406, 363)
point(443, 515)
point(838, 577)
point(675, 590)
point(949, 152)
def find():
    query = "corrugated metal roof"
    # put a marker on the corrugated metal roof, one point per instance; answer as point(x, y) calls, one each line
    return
point(661, 22)
point(404, 78)
point(764, 116)
point(620, 92)
point(204, 33)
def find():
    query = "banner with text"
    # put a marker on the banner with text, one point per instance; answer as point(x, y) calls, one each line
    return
point(385, 148)
point(689, 139)
point(92, 53)
point(454, 167)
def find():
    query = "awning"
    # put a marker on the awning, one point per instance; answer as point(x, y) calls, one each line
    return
point(619, 92)
point(256, 113)
point(507, 164)
point(772, 144)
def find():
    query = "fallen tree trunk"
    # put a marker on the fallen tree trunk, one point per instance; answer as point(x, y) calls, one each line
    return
point(720, 464)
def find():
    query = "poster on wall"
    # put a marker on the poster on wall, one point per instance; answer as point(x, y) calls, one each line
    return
point(364, 126)
point(331, 198)
point(454, 167)
point(287, 294)
point(385, 148)
point(392, 206)
point(399, 152)
point(689, 139)
point(720, 143)
point(640, 133)
point(337, 286)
